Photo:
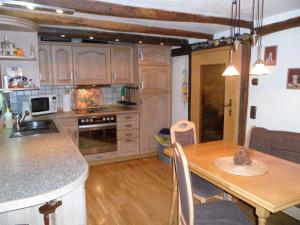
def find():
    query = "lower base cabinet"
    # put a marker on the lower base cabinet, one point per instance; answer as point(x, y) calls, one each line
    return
point(128, 147)
point(72, 211)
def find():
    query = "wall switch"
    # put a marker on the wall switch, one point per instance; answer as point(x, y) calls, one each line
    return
point(253, 112)
point(254, 81)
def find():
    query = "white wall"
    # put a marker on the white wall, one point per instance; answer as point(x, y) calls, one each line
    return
point(179, 108)
point(278, 108)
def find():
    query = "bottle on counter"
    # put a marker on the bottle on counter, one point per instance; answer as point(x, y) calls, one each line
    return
point(8, 119)
point(123, 94)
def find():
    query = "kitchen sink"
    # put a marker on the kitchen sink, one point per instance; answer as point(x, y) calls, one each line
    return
point(28, 128)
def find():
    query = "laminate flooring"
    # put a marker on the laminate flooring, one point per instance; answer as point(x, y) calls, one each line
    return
point(138, 192)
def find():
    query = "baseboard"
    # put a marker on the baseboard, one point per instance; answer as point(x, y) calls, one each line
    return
point(121, 159)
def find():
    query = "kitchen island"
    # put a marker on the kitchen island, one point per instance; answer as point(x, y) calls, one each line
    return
point(37, 169)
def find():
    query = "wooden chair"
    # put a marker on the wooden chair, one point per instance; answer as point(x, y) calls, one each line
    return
point(184, 132)
point(210, 213)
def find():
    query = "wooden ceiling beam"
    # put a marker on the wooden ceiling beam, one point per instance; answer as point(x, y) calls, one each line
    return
point(111, 9)
point(109, 36)
point(279, 26)
point(66, 20)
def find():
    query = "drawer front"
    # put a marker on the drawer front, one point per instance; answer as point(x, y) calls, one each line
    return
point(128, 147)
point(134, 124)
point(126, 117)
point(125, 134)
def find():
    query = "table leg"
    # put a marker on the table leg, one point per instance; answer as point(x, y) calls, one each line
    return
point(263, 215)
point(173, 200)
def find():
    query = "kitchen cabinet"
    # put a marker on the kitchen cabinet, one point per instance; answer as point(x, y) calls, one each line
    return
point(45, 65)
point(128, 134)
point(122, 65)
point(91, 65)
point(62, 64)
point(154, 79)
point(153, 55)
point(154, 115)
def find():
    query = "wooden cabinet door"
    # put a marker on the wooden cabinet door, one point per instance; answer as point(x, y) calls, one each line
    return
point(91, 65)
point(128, 147)
point(154, 79)
point(155, 115)
point(45, 65)
point(122, 65)
point(154, 55)
point(62, 64)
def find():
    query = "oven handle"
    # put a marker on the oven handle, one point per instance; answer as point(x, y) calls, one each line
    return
point(86, 127)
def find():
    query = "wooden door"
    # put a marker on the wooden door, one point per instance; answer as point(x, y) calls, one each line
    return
point(62, 64)
point(91, 65)
point(154, 79)
point(122, 65)
point(154, 55)
point(220, 57)
point(155, 115)
point(45, 65)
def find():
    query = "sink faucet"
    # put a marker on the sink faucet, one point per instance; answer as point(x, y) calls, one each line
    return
point(20, 119)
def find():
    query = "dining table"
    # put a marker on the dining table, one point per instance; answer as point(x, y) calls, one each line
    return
point(275, 190)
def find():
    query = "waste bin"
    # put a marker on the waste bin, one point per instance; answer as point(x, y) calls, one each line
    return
point(163, 141)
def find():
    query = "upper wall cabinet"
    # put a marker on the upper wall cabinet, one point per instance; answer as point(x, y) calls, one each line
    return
point(45, 65)
point(62, 65)
point(91, 65)
point(153, 55)
point(122, 65)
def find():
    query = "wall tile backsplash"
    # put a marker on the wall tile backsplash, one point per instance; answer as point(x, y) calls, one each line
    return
point(110, 95)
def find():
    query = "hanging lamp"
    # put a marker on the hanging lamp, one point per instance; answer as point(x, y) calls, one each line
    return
point(231, 70)
point(259, 67)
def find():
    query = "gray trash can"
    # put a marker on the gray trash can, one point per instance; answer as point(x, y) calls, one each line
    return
point(163, 141)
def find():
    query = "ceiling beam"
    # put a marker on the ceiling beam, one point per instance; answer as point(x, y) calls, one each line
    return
point(279, 26)
point(66, 20)
point(111, 9)
point(109, 36)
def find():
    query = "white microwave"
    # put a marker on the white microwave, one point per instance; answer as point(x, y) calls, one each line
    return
point(43, 104)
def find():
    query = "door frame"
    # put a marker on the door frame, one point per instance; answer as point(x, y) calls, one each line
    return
point(242, 63)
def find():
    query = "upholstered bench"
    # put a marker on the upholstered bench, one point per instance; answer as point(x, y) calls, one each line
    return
point(282, 144)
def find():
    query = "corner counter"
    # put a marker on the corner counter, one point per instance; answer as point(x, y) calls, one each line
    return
point(38, 169)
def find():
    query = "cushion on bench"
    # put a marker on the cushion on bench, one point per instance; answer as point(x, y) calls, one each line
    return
point(282, 144)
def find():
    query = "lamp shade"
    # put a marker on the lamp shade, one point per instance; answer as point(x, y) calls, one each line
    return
point(259, 69)
point(230, 71)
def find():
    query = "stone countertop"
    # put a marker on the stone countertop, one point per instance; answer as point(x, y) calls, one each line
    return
point(37, 169)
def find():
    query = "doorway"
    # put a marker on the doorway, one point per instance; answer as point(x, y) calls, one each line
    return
point(215, 100)
point(212, 97)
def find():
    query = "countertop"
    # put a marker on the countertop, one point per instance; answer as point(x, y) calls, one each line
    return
point(37, 169)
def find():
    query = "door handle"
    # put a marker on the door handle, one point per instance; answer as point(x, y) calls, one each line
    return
point(229, 103)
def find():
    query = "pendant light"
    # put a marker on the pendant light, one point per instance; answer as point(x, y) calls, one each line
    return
point(231, 70)
point(259, 67)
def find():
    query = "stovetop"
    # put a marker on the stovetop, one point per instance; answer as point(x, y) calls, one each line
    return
point(93, 109)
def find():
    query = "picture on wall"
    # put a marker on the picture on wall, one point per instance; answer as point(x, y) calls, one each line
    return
point(270, 55)
point(293, 79)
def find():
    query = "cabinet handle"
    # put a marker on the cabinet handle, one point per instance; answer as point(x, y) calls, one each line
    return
point(128, 140)
point(71, 76)
point(128, 134)
point(142, 85)
point(141, 56)
point(114, 75)
point(128, 125)
point(128, 117)
point(48, 209)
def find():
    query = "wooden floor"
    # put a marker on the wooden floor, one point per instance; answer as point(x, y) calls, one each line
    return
point(138, 193)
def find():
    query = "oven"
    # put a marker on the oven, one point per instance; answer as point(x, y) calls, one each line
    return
point(97, 135)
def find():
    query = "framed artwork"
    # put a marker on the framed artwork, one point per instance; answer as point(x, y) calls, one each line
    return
point(293, 78)
point(270, 55)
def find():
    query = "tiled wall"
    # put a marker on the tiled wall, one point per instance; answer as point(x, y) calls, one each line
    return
point(110, 95)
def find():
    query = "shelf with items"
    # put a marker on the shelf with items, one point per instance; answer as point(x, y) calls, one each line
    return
point(18, 89)
point(24, 58)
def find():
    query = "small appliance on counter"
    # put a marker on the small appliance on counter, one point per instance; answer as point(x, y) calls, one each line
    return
point(43, 104)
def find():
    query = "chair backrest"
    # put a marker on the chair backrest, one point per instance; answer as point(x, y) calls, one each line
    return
point(185, 200)
point(183, 132)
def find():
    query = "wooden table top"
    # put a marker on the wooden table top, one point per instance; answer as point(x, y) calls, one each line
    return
point(276, 190)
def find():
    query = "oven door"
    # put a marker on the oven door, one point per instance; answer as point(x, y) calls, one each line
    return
point(97, 138)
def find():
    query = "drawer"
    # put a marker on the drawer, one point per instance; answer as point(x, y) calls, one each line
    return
point(134, 124)
point(130, 133)
point(126, 117)
point(128, 147)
